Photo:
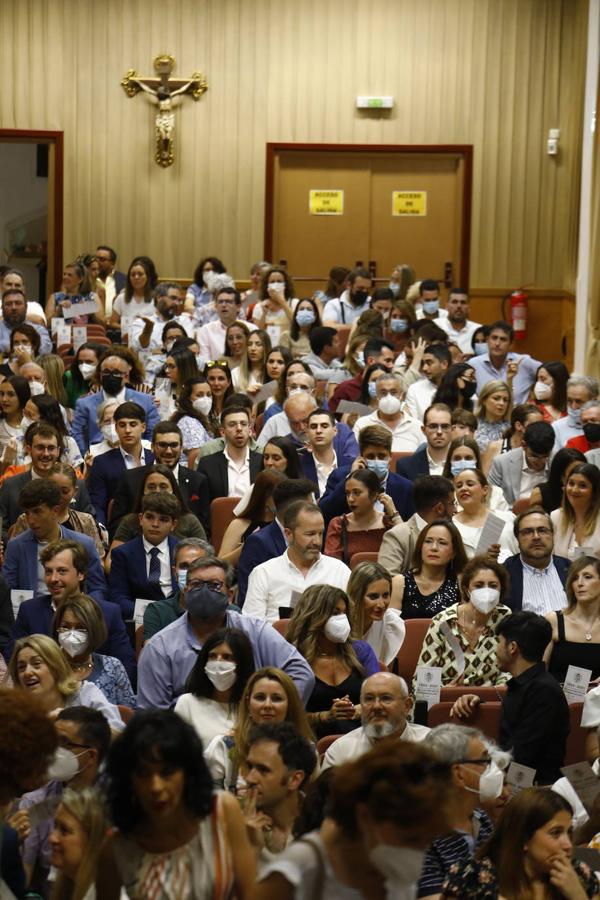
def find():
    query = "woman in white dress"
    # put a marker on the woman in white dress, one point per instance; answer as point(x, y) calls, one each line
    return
point(472, 492)
point(216, 684)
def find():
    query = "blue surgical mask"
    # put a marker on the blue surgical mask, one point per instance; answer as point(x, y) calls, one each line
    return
point(480, 349)
point(379, 466)
point(399, 325)
point(305, 317)
point(460, 465)
point(372, 388)
point(430, 307)
point(181, 578)
point(574, 417)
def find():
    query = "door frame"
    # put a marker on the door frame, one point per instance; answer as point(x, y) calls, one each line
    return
point(55, 140)
point(464, 150)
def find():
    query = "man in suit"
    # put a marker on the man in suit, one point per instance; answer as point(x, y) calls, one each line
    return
point(430, 459)
point(537, 577)
point(231, 472)
point(42, 443)
point(114, 371)
point(330, 444)
point(167, 444)
point(113, 281)
point(433, 498)
point(269, 542)
point(66, 565)
point(143, 568)
point(109, 467)
point(519, 471)
point(22, 567)
point(375, 445)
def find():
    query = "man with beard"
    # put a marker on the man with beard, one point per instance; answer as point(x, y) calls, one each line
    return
point(146, 331)
point(385, 704)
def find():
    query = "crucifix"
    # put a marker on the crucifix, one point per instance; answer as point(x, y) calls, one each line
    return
point(163, 89)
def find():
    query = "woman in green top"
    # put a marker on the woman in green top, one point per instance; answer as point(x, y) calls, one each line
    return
point(78, 378)
point(156, 478)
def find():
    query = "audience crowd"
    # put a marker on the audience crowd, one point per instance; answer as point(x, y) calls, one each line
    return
point(299, 596)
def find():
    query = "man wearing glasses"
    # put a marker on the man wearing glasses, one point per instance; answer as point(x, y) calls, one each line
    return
point(211, 337)
point(430, 458)
point(146, 332)
point(537, 577)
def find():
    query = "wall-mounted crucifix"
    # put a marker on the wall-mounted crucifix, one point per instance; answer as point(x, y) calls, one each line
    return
point(163, 89)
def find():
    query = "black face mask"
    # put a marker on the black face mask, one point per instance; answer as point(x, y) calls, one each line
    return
point(205, 604)
point(111, 384)
point(591, 432)
point(359, 297)
point(469, 389)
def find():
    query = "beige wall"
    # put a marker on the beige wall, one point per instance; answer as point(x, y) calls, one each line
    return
point(495, 73)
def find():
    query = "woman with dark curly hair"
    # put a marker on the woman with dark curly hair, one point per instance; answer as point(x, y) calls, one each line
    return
point(175, 837)
point(197, 293)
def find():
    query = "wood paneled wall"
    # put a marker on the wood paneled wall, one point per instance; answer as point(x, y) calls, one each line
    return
point(494, 73)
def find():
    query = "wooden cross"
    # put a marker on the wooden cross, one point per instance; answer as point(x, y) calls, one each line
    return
point(163, 89)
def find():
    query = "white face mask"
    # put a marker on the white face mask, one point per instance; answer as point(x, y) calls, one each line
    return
point(25, 348)
point(338, 628)
point(485, 599)
point(203, 405)
point(490, 783)
point(541, 390)
point(400, 866)
point(36, 388)
point(390, 405)
point(63, 767)
point(73, 642)
point(25, 423)
point(109, 433)
point(87, 370)
point(221, 673)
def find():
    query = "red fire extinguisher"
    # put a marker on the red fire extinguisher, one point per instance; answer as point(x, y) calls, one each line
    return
point(518, 313)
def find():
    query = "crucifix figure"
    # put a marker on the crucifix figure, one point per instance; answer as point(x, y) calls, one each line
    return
point(163, 89)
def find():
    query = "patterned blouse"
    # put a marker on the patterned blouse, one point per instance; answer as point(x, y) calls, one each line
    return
point(489, 431)
point(481, 666)
point(110, 676)
point(478, 880)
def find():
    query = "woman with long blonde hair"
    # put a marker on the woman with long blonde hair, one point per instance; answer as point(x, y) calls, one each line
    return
point(80, 826)
point(373, 618)
point(494, 406)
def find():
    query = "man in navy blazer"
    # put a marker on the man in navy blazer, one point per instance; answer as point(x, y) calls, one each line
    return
point(537, 577)
point(269, 542)
point(66, 565)
point(330, 444)
point(143, 568)
point(108, 468)
point(114, 372)
point(375, 444)
point(22, 568)
point(437, 428)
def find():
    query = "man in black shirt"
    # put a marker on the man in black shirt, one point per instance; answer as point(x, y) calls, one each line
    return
point(535, 714)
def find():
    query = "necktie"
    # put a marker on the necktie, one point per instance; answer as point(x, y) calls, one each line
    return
point(154, 574)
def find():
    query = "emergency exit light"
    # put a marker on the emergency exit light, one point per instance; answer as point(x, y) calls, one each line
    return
point(374, 102)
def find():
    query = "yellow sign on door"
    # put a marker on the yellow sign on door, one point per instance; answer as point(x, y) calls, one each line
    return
point(409, 203)
point(326, 203)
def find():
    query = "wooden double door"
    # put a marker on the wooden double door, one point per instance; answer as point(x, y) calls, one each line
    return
point(387, 205)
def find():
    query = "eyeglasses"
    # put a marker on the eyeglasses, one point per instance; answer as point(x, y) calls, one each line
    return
point(211, 585)
point(71, 745)
point(529, 532)
point(485, 761)
point(224, 302)
point(168, 445)
point(62, 629)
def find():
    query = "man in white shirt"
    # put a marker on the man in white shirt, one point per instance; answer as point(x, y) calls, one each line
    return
point(457, 325)
point(279, 582)
point(13, 278)
point(211, 337)
point(113, 281)
point(385, 703)
point(353, 303)
point(321, 433)
point(406, 430)
point(434, 365)
point(145, 333)
point(580, 390)
point(537, 577)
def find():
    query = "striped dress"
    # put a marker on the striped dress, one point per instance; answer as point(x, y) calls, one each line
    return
point(202, 869)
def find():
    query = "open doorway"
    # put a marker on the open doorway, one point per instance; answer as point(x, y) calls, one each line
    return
point(31, 208)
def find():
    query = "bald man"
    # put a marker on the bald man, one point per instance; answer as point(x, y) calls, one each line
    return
point(293, 421)
point(385, 704)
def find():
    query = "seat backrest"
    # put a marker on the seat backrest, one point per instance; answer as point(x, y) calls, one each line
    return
point(576, 741)
point(343, 335)
point(357, 558)
point(258, 424)
point(221, 514)
point(324, 743)
point(409, 652)
point(126, 713)
point(486, 717)
point(281, 625)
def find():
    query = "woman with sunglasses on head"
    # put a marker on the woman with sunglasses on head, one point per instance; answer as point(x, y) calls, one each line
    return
point(218, 378)
point(251, 373)
point(305, 317)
